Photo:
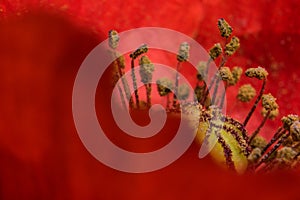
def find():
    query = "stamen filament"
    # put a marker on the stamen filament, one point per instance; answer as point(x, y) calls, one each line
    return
point(260, 126)
point(276, 136)
point(134, 84)
point(122, 97)
point(148, 91)
point(223, 97)
point(215, 90)
point(256, 102)
point(208, 89)
point(266, 157)
point(123, 79)
point(176, 85)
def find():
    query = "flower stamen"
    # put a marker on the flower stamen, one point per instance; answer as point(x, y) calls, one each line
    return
point(183, 56)
point(141, 50)
point(261, 74)
point(146, 70)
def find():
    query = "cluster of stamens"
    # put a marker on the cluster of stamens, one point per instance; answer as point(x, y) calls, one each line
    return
point(282, 151)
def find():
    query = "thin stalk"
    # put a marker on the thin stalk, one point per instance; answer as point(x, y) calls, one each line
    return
point(134, 84)
point(259, 127)
point(223, 97)
point(208, 89)
point(267, 156)
point(202, 92)
point(266, 168)
point(276, 136)
point(127, 91)
point(176, 85)
point(124, 81)
point(215, 91)
point(223, 61)
point(211, 82)
point(122, 97)
point(119, 75)
point(207, 65)
point(148, 91)
point(224, 57)
point(256, 102)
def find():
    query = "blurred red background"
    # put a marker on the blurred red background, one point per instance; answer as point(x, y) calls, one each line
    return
point(42, 46)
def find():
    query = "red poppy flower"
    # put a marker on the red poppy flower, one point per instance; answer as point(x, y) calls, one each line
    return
point(43, 45)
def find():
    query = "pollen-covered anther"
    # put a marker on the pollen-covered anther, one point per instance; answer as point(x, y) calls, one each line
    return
point(289, 120)
point(288, 142)
point(295, 131)
point(283, 159)
point(254, 155)
point(146, 69)
point(113, 39)
point(215, 51)
point(272, 115)
point(164, 86)
point(269, 102)
point(246, 93)
point(236, 74)
point(224, 28)
point(201, 68)
point(183, 52)
point(141, 50)
point(258, 142)
point(259, 73)
point(286, 154)
point(225, 74)
point(232, 46)
point(183, 92)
